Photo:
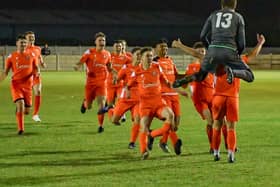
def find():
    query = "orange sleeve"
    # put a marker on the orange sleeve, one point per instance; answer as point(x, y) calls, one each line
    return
point(121, 73)
point(8, 62)
point(245, 59)
point(85, 56)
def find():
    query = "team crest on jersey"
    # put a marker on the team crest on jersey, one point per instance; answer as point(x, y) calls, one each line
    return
point(104, 56)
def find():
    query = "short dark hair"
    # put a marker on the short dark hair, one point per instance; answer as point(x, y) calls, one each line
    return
point(160, 41)
point(229, 3)
point(145, 49)
point(28, 32)
point(99, 34)
point(118, 41)
point(198, 45)
point(21, 37)
point(135, 49)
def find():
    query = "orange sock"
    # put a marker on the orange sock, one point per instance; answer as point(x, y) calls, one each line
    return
point(216, 139)
point(231, 139)
point(143, 142)
point(100, 119)
point(159, 132)
point(164, 137)
point(224, 131)
point(37, 104)
point(134, 132)
point(20, 120)
point(110, 113)
point(173, 136)
point(209, 132)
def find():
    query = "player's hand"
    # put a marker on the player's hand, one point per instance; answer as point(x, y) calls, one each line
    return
point(176, 43)
point(261, 39)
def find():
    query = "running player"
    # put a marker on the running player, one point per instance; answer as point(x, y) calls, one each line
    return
point(201, 92)
point(169, 94)
point(151, 103)
point(98, 64)
point(24, 65)
point(129, 98)
point(37, 81)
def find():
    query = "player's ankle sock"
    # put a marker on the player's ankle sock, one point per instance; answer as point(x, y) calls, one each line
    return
point(209, 132)
point(143, 142)
point(20, 120)
point(216, 139)
point(37, 104)
point(159, 132)
point(231, 140)
point(224, 131)
point(164, 137)
point(100, 119)
point(173, 136)
point(134, 132)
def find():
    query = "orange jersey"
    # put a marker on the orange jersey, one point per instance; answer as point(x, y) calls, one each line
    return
point(118, 61)
point(170, 71)
point(96, 62)
point(223, 88)
point(128, 74)
point(149, 81)
point(36, 50)
point(23, 66)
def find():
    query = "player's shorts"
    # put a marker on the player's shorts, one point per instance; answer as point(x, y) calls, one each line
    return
point(37, 80)
point(202, 101)
point(224, 106)
point(123, 105)
point(24, 92)
point(152, 107)
point(173, 102)
point(112, 93)
point(93, 90)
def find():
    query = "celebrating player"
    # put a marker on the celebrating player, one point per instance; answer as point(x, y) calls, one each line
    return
point(24, 65)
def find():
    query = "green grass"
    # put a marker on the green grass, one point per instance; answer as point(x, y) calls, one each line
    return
point(65, 149)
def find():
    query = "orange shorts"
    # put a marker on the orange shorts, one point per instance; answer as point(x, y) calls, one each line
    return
point(224, 106)
point(93, 90)
point(112, 93)
point(173, 102)
point(37, 80)
point(24, 92)
point(202, 102)
point(152, 107)
point(124, 105)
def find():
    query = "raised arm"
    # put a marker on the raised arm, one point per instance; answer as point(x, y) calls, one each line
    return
point(255, 52)
point(187, 49)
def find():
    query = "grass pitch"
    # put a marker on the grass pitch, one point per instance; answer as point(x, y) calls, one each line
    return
point(66, 150)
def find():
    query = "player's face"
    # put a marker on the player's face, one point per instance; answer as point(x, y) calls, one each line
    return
point(201, 51)
point(21, 44)
point(147, 57)
point(162, 49)
point(100, 42)
point(118, 47)
point(136, 57)
point(30, 38)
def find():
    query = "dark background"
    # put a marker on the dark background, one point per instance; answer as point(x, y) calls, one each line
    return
point(261, 16)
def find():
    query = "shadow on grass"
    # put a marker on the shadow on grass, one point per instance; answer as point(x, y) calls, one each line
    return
point(15, 135)
point(27, 180)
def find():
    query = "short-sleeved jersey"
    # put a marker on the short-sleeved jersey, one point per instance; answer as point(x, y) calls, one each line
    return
point(117, 61)
point(170, 71)
point(149, 81)
point(23, 66)
point(226, 27)
point(128, 75)
point(194, 68)
point(96, 63)
point(222, 87)
point(36, 50)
